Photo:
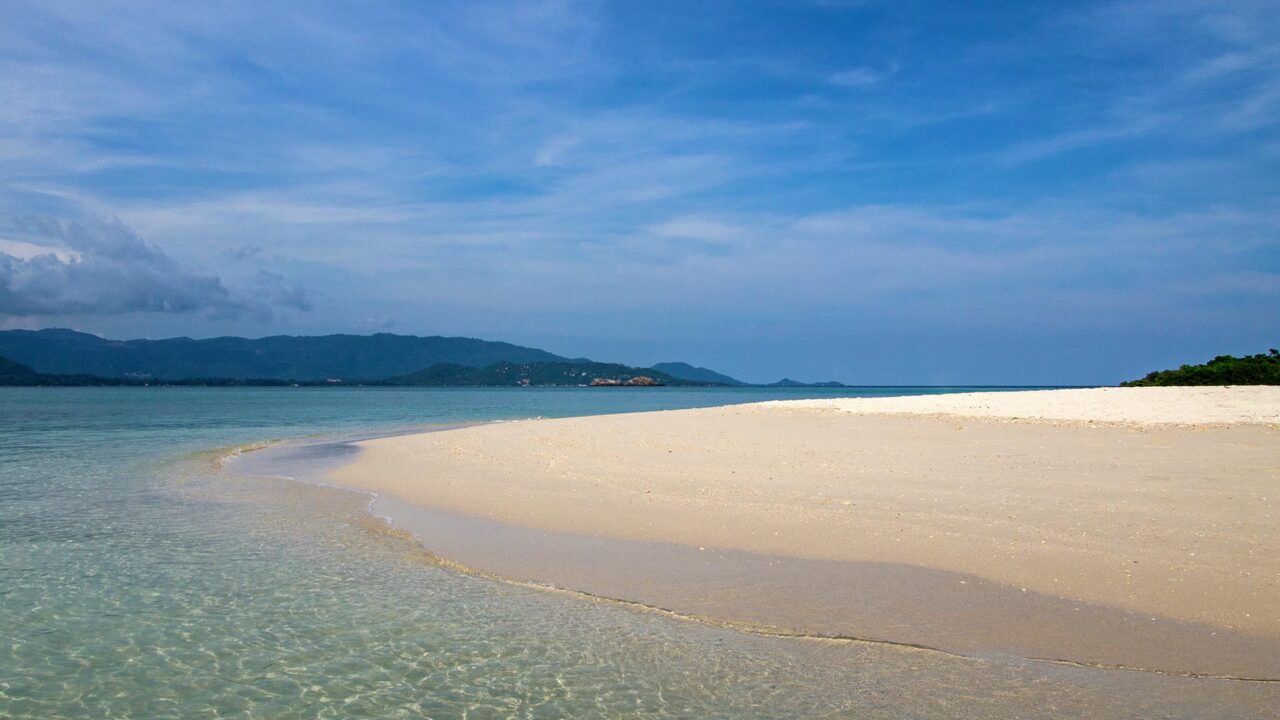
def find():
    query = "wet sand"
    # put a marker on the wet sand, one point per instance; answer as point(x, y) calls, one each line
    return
point(1148, 540)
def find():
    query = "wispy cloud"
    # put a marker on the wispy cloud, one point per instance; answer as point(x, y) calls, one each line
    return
point(861, 78)
point(484, 168)
point(1194, 73)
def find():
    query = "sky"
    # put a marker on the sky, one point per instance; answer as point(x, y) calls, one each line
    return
point(898, 192)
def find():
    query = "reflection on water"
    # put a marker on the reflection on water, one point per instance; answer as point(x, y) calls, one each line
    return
point(136, 581)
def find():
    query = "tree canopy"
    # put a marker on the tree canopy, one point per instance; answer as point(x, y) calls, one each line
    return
point(1260, 369)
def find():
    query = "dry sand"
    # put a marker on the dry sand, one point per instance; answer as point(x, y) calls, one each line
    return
point(1158, 501)
point(1139, 406)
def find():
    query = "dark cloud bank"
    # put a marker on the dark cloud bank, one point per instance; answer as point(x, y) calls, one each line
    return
point(109, 270)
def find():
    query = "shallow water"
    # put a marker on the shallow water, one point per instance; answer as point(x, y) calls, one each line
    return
point(136, 580)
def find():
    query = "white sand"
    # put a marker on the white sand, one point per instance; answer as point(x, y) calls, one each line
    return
point(1170, 507)
point(1143, 406)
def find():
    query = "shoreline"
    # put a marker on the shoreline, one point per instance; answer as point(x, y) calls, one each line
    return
point(870, 602)
point(507, 474)
point(705, 586)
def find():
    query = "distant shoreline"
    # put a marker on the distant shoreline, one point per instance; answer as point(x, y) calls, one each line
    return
point(55, 380)
point(231, 382)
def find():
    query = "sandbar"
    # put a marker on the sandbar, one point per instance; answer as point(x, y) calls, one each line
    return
point(1135, 527)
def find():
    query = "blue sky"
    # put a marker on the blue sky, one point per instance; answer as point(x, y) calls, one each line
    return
point(874, 192)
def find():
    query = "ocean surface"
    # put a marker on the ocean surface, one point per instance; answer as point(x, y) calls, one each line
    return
point(140, 580)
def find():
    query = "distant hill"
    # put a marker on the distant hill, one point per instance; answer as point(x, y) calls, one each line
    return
point(282, 357)
point(1260, 369)
point(14, 374)
point(537, 374)
point(504, 374)
point(788, 382)
point(17, 374)
point(10, 371)
point(685, 371)
point(68, 357)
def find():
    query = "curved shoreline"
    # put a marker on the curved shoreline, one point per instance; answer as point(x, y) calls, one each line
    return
point(578, 566)
point(789, 594)
point(564, 563)
point(886, 603)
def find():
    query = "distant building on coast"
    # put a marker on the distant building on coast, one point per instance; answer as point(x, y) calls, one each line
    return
point(637, 381)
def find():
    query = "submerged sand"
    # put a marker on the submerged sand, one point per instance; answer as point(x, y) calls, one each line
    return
point(1158, 504)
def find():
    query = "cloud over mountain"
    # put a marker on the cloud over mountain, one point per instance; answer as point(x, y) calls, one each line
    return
point(101, 267)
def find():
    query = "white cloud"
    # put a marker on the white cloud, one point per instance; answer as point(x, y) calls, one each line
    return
point(706, 229)
point(27, 251)
point(861, 78)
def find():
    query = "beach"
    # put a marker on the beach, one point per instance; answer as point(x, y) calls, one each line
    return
point(1133, 527)
point(173, 552)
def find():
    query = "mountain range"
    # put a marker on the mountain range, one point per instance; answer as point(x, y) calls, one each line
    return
point(280, 357)
point(685, 371)
point(63, 356)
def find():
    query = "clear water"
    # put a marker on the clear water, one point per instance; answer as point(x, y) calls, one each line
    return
point(138, 581)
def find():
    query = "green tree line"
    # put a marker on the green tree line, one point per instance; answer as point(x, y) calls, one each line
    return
point(1260, 369)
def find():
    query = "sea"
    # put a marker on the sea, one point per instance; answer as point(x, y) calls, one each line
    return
point(141, 579)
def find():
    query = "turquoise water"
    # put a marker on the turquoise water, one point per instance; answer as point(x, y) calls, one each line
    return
point(139, 581)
